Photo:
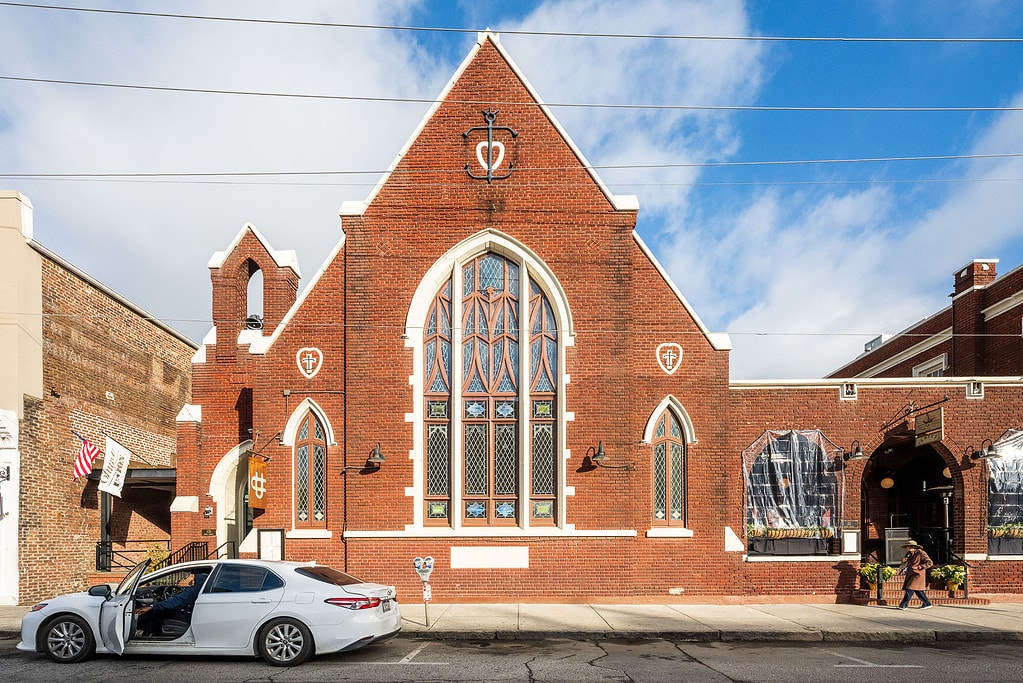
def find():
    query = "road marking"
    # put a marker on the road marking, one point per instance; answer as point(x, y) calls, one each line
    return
point(411, 655)
point(862, 663)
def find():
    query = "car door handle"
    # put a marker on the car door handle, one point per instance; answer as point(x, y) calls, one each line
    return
point(261, 601)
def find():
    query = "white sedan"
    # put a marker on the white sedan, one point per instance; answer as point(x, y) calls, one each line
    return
point(282, 611)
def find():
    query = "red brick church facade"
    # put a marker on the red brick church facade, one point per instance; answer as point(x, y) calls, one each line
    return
point(555, 421)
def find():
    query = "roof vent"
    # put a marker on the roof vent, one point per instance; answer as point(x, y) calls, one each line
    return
point(875, 343)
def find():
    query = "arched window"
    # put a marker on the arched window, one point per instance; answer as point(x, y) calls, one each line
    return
point(310, 474)
point(669, 471)
point(494, 410)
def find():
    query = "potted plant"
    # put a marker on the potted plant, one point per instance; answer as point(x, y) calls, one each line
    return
point(869, 573)
point(952, 574)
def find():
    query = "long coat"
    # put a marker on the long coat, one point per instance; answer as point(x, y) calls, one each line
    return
point(916, 563)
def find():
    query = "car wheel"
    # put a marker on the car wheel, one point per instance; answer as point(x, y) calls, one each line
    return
point(285, 642)
point(68, 639)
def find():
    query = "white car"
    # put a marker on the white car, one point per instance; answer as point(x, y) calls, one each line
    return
point(283, 612)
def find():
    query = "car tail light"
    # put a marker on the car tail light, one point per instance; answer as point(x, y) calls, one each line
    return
point(354, 603)
point(36, 608)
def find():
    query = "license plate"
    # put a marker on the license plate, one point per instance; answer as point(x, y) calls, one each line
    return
point(386, 605)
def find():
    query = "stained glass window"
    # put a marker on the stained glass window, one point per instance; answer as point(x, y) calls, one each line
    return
point(669, 472)
point(494, 312)
point(311, 474)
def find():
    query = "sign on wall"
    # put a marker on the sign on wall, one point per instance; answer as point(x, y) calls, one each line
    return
point(930, 427)
point(257, 483)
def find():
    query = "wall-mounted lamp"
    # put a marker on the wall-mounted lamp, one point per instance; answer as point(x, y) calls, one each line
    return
point(5, 473)
point(207, 511)
point(986, 451)
point(599, 458)
point(855, 452)
point(373, 462)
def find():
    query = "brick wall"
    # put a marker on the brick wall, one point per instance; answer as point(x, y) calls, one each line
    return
point(93, 344)
point(621, 309)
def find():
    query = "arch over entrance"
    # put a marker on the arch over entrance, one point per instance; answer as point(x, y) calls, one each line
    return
point(910, 491)
point(229, 490)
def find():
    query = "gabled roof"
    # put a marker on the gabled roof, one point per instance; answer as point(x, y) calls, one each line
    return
point(284, 258)
point(619, 202)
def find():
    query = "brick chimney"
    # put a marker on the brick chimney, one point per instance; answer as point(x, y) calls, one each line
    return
point(979, 273)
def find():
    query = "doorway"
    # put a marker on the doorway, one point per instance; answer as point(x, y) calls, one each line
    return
point(908, 492)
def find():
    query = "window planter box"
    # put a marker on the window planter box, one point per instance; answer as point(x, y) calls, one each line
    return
point(788, 546)
point(1005, 546)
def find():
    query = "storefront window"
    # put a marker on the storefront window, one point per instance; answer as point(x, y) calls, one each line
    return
point(793, 493)
point(1005, 496)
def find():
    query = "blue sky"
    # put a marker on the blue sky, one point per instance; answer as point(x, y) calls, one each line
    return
point(800, 263)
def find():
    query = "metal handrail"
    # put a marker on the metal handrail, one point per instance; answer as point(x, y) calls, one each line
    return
point(107, 559)
point(224, 550)
point(195, 550)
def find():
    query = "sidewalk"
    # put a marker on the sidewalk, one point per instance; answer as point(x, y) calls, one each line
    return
point(772, 622)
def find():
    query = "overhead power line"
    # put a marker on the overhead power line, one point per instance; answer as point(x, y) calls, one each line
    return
point(520, 32)
point(523, 169)
point(425, 100)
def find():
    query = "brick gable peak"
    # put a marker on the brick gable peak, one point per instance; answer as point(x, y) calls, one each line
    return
point(625, 203)
point(283, 258)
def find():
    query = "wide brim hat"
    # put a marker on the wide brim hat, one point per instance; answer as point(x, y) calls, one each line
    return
point(911, 544)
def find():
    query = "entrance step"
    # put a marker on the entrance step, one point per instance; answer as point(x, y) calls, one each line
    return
point(892, 598)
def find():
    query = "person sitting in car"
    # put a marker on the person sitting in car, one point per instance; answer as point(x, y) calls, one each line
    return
point(151, 616)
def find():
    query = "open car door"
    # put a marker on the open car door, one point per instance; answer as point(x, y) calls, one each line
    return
point(116, 616)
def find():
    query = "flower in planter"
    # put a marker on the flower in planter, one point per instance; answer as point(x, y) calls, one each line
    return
point(869, 572)
point(951, 574)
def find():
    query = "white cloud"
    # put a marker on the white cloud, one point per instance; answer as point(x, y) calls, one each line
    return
point(817, 261)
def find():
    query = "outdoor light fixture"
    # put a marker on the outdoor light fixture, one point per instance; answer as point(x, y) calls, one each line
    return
point(986, 451)
point(372, 464)
point(599, 458)
point(855, 452)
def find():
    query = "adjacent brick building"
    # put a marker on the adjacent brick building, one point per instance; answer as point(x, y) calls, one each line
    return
point(493, 370)
point(76, 358)
point(980, 334)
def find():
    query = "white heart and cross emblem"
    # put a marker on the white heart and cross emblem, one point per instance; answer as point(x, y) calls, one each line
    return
point(309, 360)
point(669, 357)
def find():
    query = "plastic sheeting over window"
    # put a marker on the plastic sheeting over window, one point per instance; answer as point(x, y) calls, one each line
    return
point(793, 488)
point(1005, 484)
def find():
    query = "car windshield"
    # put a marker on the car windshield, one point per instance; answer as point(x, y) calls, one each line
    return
point(328, 575)
point(128, 582)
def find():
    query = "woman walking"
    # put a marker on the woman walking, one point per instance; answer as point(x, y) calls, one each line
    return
point(915, 565)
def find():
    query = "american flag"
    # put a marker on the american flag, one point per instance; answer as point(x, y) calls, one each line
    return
point(87, 455)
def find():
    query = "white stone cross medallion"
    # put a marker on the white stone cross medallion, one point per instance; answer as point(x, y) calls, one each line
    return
point(669, 357)
point(309, 361)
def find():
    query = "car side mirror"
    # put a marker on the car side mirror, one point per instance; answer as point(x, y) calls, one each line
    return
point(101, 590)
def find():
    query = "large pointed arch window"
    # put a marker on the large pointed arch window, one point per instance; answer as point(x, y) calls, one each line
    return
point(311, 474)
point(669, 471)
point(490, 416)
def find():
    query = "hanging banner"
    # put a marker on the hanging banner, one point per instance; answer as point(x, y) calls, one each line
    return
point(115, 468)
point(257, 483)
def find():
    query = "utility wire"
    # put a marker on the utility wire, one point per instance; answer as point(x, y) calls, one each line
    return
point(565, 105)
point(598, 167)
point(520, 32)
